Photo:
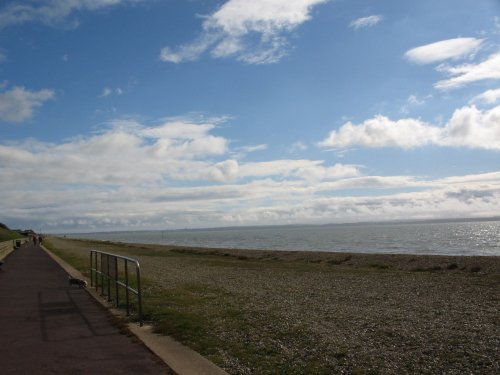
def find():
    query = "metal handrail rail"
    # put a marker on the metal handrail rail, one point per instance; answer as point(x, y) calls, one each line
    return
point(112, 276)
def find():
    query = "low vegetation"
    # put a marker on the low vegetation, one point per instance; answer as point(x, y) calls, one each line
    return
point(265, 312)
point(6, 234)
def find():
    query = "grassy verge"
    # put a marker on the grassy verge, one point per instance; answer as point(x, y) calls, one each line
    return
point(76, 259)
point(6, 235)
point(259, 312)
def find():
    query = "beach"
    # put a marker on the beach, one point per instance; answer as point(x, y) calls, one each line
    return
point(271, 312)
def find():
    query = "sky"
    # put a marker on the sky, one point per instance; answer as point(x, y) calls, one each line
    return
point(170, 114)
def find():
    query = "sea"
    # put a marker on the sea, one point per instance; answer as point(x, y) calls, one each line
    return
point(463, 238)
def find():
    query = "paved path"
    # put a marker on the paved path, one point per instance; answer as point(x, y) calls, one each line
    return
point(48, 327)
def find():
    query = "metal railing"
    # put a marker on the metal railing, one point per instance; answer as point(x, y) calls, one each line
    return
point(110, 272)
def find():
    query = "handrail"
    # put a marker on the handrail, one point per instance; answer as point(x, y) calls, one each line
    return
point(106, 268)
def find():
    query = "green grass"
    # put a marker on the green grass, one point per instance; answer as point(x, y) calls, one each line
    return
point(6, 235)
point(182, 313)
point(78, 261)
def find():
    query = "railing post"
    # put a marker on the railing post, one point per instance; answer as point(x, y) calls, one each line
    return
point(95, 267)
point(117, 292)
point(96, 275)
point(126, 288)
point(102, 275)
point(139, 294)
point(108, 278)
point(91, 271)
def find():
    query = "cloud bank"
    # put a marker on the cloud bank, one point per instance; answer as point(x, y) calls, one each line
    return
point(130, 172)
point(180, 173)
point(132, 154)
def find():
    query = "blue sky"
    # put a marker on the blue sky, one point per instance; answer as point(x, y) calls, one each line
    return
point(150, 114)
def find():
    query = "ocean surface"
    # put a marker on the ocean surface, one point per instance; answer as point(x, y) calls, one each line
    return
point(453, 238)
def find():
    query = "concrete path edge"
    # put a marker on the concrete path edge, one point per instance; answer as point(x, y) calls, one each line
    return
point(180, 358)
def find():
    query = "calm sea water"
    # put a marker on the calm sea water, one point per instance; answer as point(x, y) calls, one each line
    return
point(458, 238)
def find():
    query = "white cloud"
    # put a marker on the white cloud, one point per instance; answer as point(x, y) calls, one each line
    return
point(107, 91)
point(303, 169)
point(471, 127)
point(365, 22)
point(133, 176)
point(19, 104)
point(250, 31)
point(489, 97)
point(458, 49)
point(462, 75)
point(50, 12)
point(444, 50)
point(127, 155)
point(380, 131)
point(415, 100)
point(187, 52)
point(179, 130)
point(241, 152)
point(248, 149)
point(131, 154)
point(297, 147)
point(468, 127)
point(261, 201)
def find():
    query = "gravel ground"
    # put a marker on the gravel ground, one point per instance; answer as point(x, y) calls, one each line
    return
point(329, 313)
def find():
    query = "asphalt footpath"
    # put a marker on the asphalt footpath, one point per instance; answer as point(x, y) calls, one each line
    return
point(50, 327)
